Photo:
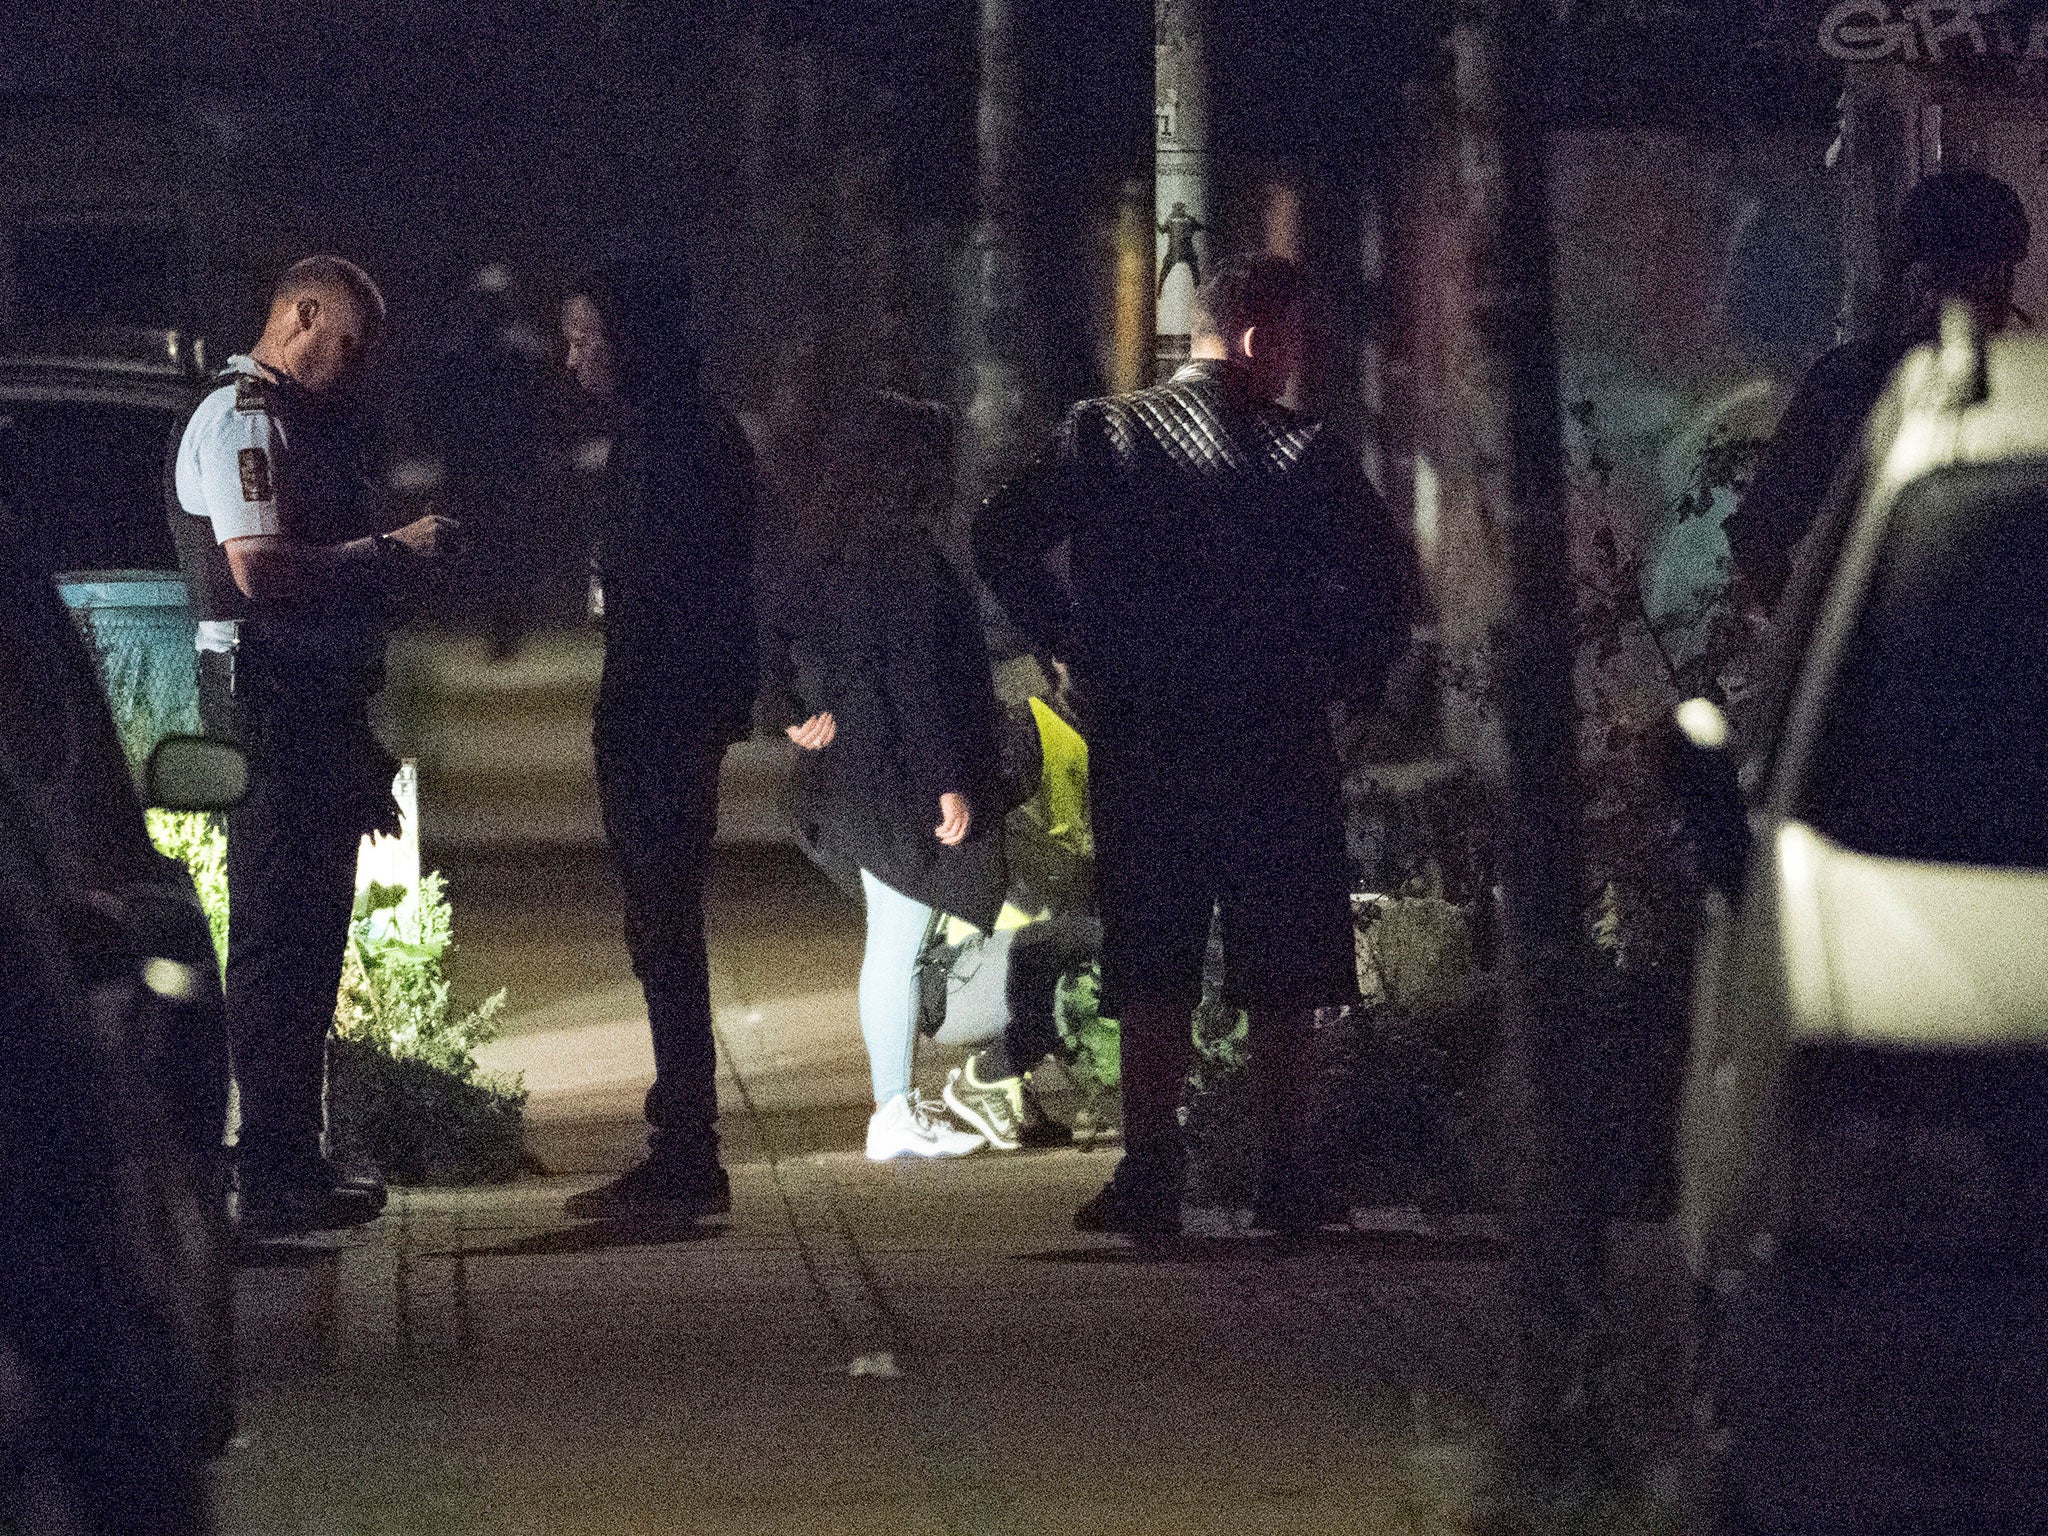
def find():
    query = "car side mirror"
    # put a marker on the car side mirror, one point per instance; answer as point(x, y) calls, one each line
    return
point(196, 773)
point(1700, 777)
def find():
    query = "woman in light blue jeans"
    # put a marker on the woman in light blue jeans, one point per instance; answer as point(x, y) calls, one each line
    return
point(897, 926)
point(874, 664)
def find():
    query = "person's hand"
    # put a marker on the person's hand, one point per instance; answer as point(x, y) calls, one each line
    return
point(954, 820)
point(430, 535)
point(816, 733)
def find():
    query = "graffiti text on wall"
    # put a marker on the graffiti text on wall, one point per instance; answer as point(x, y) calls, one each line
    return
point(1933, 31)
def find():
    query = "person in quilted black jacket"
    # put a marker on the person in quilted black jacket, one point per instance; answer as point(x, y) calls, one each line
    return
point(1230, 574)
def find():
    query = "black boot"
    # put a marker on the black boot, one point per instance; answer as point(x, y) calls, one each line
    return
point(1139, 1202)
point(658, 1187)
point(291, 1199)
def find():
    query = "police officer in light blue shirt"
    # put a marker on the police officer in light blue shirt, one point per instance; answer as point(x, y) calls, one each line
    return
point(292, 588)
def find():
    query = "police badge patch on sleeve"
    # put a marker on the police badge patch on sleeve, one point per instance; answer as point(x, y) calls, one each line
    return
point(256, 482)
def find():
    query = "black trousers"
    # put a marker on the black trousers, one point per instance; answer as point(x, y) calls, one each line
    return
point(659, 792)
point(291, 892)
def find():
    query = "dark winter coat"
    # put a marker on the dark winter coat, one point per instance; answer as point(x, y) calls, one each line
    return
point(1817, 436)
point(1232, 571)
point(889, 642)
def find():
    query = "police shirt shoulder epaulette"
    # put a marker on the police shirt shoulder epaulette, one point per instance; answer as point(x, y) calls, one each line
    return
point(249, 394)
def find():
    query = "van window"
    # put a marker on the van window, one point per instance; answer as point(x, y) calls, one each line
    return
point(1934, 743)
point(85, 479)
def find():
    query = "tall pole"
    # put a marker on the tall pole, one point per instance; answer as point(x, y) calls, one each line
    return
point(1880, 148)
point(785, 159)
point(1375, 450)
point(868, 246)
point(1132, 332)
point(1555, 1444)
point(1180, 170)
point(1005, 415)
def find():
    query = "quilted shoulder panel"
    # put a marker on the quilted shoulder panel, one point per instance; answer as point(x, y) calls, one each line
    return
point(1199, 428)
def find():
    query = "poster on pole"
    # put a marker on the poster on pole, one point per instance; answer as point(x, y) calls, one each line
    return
point(1181, 170)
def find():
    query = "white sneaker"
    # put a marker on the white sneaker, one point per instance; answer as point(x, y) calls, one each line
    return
point(907, 1126)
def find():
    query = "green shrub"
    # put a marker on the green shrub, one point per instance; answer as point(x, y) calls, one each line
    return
point(1398, 1091)
point(1093, 1045)
point(1419, 1119)
point(424, 1124)
point(405, 1090)
point(199, 841)
point(394, 985)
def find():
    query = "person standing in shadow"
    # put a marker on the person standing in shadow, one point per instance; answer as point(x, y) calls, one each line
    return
point(1960, 239)
point(674, 561)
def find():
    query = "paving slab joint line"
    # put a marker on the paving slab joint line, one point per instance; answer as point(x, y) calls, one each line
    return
point(849, 1291)
point(402, 1293)
point(841, 1270)
point(811, 1190)
point(325, 1311)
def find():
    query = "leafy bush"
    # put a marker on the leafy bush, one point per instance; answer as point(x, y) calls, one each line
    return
point(1632, 667)
point(1639, 890)
point(199, 841)
point(1093, 1045)
point(422, 1124)
point(1425, 1056)
point(394, 989)
point(1419, 1132)
point(406, 1090)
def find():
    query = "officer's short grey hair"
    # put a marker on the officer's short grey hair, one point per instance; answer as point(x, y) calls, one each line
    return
point(331, 272)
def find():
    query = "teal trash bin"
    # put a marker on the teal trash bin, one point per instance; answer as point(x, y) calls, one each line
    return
point(140, 627)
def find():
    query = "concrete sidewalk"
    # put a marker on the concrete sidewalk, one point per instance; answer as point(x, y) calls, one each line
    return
point(893, 1349)
point(477, 1365)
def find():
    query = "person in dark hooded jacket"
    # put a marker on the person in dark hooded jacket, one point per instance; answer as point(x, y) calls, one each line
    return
point(674, 559)
point(874, 663)
point(1961, 237)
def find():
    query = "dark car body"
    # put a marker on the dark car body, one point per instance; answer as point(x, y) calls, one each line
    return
point(1865, 1199)
point(115, 1239)
point(86, 424)
point(120, 1314)
point(87, 419)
